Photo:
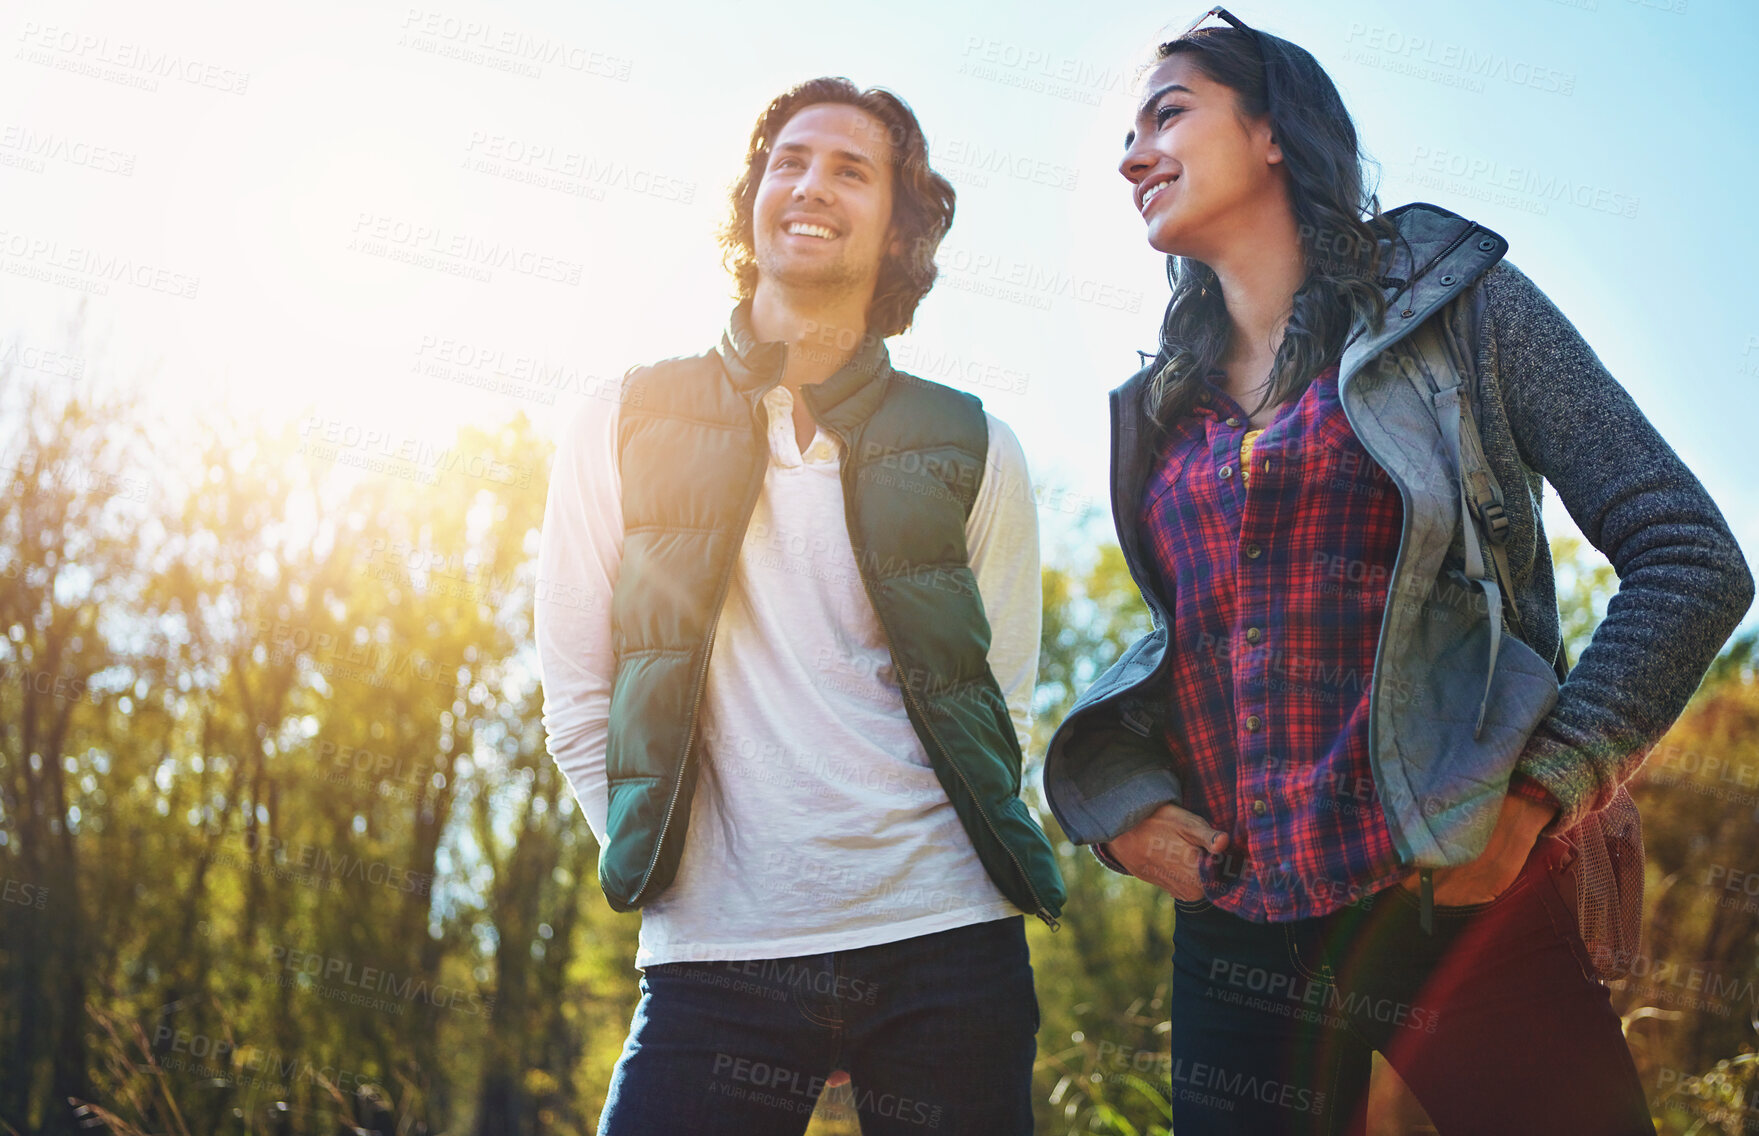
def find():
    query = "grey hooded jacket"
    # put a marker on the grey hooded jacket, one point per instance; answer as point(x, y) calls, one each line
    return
point(1548, 412)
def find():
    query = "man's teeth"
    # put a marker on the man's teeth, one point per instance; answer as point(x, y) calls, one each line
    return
point(803, 230)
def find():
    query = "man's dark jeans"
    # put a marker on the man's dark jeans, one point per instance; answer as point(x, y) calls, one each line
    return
point(936, 1032)
point(1494, 1021)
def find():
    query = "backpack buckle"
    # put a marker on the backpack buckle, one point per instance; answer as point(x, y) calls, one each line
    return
point(1496, 521)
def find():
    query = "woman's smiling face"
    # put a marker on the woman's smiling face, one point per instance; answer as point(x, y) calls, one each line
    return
point(1199, 170)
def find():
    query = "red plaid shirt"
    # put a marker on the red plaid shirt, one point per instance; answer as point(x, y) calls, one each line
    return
point(1277, 590)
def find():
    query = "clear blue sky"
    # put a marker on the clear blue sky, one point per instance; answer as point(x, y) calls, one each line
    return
point(285, 159)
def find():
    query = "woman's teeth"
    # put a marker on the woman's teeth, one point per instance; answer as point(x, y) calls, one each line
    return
point(1155, 192)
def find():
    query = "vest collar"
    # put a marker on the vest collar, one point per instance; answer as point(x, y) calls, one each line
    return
point(841, 402)
point(1440, 254)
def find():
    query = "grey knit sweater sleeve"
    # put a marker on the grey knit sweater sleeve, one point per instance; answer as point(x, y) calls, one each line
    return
point(1683, 582)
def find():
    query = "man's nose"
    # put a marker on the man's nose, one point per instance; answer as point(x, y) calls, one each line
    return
point(812, 184)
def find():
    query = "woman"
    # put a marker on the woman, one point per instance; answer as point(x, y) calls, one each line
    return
point(1343, 748)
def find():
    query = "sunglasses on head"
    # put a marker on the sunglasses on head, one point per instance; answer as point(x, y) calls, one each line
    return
point(1257, 42)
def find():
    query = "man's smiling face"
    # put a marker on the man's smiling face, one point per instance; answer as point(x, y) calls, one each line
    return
point(822, 218)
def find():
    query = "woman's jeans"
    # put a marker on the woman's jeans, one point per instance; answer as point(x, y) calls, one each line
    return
point(1494, 1021)
point(936, 1032)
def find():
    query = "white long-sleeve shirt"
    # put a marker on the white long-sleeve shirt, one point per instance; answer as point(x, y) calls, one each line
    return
point(817, 822)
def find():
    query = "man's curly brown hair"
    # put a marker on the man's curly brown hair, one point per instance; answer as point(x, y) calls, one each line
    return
point(922, 200)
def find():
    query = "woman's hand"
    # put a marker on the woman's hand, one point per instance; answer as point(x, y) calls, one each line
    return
point(1166, 848)
point(1496, 868)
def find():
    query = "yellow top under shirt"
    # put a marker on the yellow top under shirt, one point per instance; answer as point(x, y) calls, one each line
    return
point(1246, 442)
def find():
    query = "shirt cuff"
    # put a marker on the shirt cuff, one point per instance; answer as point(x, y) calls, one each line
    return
point(1104, 855)
point(1525, 787)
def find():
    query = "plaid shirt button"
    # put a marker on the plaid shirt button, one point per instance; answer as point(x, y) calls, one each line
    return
point(1253, 721)
point(1259, 808)
point(1253, 635)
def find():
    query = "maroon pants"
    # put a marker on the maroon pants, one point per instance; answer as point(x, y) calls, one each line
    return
point(1495, 1020)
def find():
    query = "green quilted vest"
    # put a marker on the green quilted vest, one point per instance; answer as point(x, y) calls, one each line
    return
point(692, 451)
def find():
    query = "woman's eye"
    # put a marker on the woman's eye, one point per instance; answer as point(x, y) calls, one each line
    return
point(1164, 113)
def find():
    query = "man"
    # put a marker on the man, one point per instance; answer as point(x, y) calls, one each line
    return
point(792, 697)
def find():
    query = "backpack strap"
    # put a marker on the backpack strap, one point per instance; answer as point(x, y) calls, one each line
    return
point(1483, 489)
point(1451, 414)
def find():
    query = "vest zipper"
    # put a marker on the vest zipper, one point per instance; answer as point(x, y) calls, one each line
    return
point(910, 696)
point(702, 678)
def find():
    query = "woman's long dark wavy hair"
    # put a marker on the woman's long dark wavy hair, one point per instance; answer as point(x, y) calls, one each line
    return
point(922, 200)
point(1338, 218)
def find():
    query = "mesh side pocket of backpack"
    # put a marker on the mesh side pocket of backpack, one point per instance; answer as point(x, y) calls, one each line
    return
point(1609, 884)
